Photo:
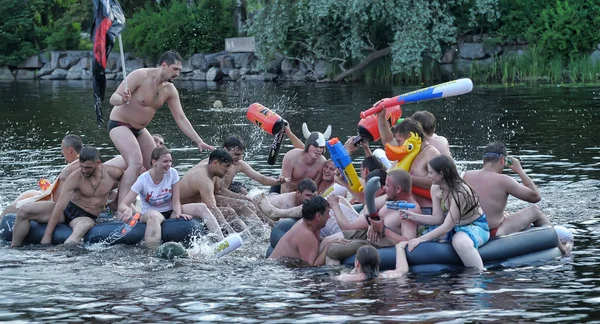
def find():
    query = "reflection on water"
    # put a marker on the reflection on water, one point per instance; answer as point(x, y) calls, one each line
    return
point(550, 128)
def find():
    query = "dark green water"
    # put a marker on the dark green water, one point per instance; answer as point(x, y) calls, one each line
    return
point(553, 129)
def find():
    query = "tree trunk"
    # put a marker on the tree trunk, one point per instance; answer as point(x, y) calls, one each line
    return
point(370, 58)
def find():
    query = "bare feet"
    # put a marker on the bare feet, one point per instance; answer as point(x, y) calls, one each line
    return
point(264, 205)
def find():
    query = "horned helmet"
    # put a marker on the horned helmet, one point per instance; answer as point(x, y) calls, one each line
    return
point(315, 138)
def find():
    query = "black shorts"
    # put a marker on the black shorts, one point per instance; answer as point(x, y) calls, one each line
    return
point(275, 189)
point(113, 123)
point(167, 214)
point(73, 211)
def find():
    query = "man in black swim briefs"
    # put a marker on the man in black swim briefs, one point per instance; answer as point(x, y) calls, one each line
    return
point(148, 90)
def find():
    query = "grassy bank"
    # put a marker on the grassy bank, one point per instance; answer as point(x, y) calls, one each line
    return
point(529, 67)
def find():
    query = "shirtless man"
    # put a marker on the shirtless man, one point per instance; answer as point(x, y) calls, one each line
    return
point(83, 197)
point(493, 189)
point(302, 240)
point(289, 204)
point(428, 122)
point(397, 187)
point(418, 169)
point(308, 163)
point(149, 89)
point(33, 201)
point(198, 186)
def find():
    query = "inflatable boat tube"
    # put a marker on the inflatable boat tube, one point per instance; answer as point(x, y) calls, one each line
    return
point(173, 230)
point(530, 246)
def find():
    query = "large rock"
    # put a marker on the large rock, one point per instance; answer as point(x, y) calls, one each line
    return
point(198, 61)
point(598, 46)
point(131, 65)
point(214, 74)
point(54, 59)
point(235, 74)
point(71, 58)
point(213, 59)
point(59, 74)
point(22, 74)
point(462, 67)
point(274, 66)
point(450, 55)
point(243, 60)
point(226, 62)
point(74, 75)
point(240, 44)
point(253, 77)
point(33, 62)
point(86, 74)
point(595, 57)
point(83, 64)
point(320, 69)
point(492, 50)
point(472, 51)
point(6, 73)
point(186, 66)
point(198, 75)
point(447, 71)
point(45, 70)
point(514, 49)
point(289, 67)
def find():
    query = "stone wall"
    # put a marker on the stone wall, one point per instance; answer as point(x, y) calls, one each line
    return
point(237, 66)
point(221, 66)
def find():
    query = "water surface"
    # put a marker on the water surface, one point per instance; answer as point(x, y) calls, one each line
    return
point(552, 129)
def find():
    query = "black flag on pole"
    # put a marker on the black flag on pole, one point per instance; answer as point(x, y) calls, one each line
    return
point(108, 23)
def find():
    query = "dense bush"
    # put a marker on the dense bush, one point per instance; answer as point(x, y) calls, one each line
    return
point(178, 26)
point(17, 30)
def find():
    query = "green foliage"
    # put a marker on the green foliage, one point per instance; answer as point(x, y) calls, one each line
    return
point(345, 31)
point(17, 40)
point(64, 35)
point(188, 30)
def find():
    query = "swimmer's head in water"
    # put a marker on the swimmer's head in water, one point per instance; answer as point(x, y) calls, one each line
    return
point(316, 139)
point(368, 258)
point(159, 140)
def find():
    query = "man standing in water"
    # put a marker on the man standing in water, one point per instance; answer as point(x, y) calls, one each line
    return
point(149, 89)
point(83, 197)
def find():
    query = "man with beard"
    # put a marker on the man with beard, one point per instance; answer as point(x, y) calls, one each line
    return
point(198, 186)
point(82, 198)
point(397, 188)
point(308, 163)
point(148, 89)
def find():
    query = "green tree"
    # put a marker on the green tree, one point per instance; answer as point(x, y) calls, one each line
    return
point(354, 33)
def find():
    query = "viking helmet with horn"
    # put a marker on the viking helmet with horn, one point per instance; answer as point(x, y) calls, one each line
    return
point(315, 138)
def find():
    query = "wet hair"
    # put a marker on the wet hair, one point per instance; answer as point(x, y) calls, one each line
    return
point(220, 155)
point(372, 163)
point(232, 142)
point(406, 126)
point(158, 152)
point(312, 206)
point(493, 152)
point(368, 258)
point(73, 141)
point(89, 153)
point(169, 57)
point(402, 179)
point(306, 184)
point(377, 173)
point(427, 121)
point(458, 187)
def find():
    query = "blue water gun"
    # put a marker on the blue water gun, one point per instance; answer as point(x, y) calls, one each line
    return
point(398, 205)
point(342, 161)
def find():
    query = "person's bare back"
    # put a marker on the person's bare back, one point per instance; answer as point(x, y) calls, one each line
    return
point(193, 181)
point(493, 197)
point(284, 201)
point(288, 245)
point(418, 169)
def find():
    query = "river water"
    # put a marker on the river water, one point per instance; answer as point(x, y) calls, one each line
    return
point(553, 129)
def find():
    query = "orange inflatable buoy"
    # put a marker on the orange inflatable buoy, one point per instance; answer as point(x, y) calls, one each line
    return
point(367, 127)
point(44, 184)
point(264, 118)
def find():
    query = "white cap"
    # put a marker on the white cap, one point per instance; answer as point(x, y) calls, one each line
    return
point(564, 235)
